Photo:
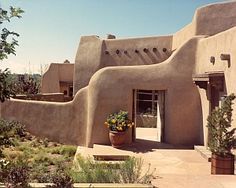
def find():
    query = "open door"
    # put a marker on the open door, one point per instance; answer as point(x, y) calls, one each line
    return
point(148, 113)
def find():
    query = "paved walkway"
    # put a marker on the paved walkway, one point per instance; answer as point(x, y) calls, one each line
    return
point(175, 168)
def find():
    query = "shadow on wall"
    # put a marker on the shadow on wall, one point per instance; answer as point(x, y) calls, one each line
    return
point(143, 56)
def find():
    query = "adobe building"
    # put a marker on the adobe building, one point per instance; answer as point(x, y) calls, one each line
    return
point(180, 78)
point(58, 79)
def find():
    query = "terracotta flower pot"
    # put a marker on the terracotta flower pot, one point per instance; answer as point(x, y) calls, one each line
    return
point(222, 164)
point(117, 139)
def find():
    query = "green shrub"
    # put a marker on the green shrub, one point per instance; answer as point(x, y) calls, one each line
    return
point(89, 171)
point(221, 136)
point(131, 171)
point(15, 174)
point(43, 158)
point(61, 180)
point(40, 173)
point(68, 151)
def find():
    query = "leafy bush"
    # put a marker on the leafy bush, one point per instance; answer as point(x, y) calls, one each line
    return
point(221, 137)
point(129, 171)
point(40, 173)
point(7, 134)
point(61, 180)
point(68, 151)
point(51, 162)
point(118, 121)
point(7, 47)
point(15, 174)
point(90, 171)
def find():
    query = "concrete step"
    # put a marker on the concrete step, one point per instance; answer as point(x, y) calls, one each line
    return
point(204, 152)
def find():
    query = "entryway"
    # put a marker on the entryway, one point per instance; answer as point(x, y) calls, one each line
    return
point(148, 114)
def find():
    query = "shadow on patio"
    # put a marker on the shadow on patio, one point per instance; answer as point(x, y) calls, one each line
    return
point(144, 146)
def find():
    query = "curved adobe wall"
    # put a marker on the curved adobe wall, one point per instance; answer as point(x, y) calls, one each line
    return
point(207, 20)
point(106, 95)
point(94, 53)
point(62, 122)
point(215, 18)
point(91, 56)
point(87, 61)
point(110, 89)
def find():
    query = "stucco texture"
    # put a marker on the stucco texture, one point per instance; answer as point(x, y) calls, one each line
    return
point(107, 71)
point(56, 73)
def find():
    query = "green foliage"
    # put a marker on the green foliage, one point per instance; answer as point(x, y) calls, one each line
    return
point(221, 137)
point(8, 47)
point(6, 134)
point(27, 84)
point(129, 171)
point(89, 171)
point(6, 86)
point(50, 162)
point(118, 121)
point(66, 150)
point(61, 180)
point(15, 174)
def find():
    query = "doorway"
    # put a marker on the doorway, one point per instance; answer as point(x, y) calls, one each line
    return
point(149, 112)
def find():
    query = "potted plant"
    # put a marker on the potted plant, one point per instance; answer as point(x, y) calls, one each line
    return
point(222, 137)
point(118, 123)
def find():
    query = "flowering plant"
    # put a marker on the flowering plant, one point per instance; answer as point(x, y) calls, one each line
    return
point(118, 121)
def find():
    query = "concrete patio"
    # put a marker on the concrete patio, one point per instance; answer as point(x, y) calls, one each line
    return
point(175, 167)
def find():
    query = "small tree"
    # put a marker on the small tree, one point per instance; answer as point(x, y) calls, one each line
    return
point(7, 47)
point(221, 137)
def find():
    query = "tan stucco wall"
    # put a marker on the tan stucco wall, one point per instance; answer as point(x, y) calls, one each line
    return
point(207, 20)
point(108, 81)
point(62, 122)
point(56, 72)
point(183, 35)
point(54, 97)
point(205, 110)
point(87, 61)
point(224, 42)
point(91, 55)
point(174, 75)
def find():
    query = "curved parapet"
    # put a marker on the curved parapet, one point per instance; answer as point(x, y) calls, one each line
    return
point(110, 89)
point(95, 53)
point(87, 61)
point(208, 20)
point(215, 18)
point(107, 71)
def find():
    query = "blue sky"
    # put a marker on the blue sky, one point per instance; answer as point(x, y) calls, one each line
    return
point(50, 30)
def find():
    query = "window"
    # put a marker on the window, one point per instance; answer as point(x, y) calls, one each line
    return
point(147, 102)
